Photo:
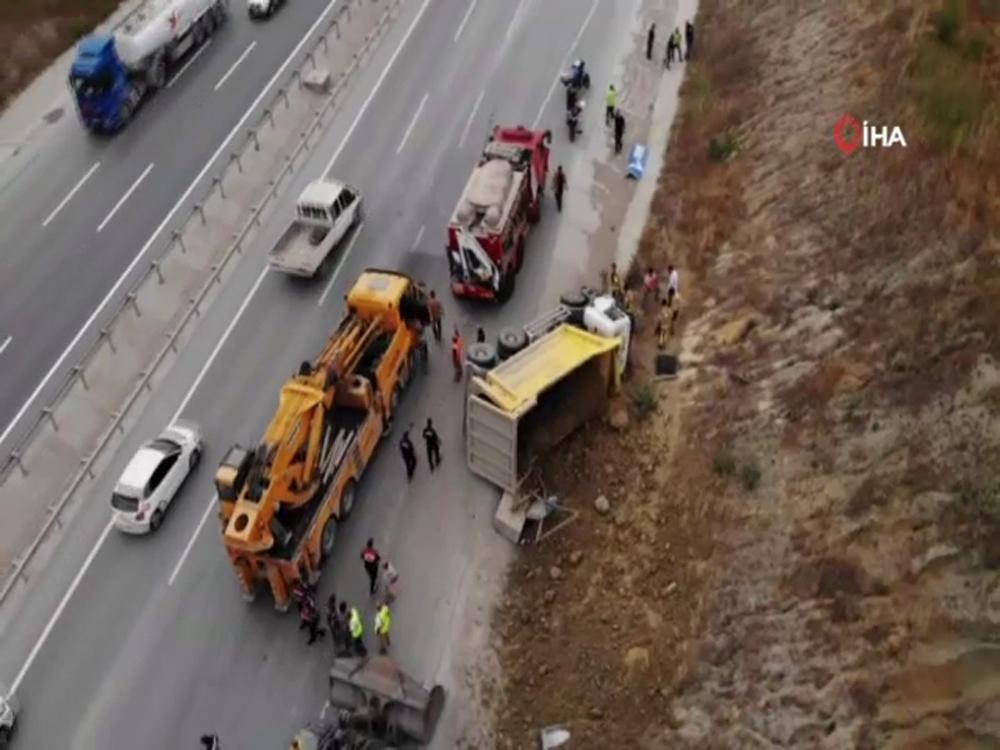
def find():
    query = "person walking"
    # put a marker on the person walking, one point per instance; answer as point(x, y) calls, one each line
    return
point(650, 285)
point(689, 38)
point(409, 454)
point(383, 623)
point(371, 558)
point(650, 41)
point(309, 619)
point(676, 37)
point(457, 353)
point(335, 623)
point(559, 186)
point(436, 313)
point(433, 443)
point(610, 104)
point(673, 285)
point(388, 582)
point(663, 324)
point(619, 130)
point(668, 58)
point(356, 628)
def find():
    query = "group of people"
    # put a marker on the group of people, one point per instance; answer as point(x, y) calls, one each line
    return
point(669, 303)
point(345, 623)
point(674, 52)
point(432, 441)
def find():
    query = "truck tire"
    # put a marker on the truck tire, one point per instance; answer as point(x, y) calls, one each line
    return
point(347, 500)
point(519, 254)
point(4, 738)
point(328, 538)
point(510, 342)
point(507, 285)
point(199, 33)
point(156, 76)
point(576, 301)
point(482, 356)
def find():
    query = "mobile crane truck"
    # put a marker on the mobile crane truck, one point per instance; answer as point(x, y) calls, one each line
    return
point(113, 73)
point(282, 501)
point(489, 228)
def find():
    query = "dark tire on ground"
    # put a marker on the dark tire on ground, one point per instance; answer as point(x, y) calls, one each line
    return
point(4, 738)
point(511, 341)
point(156, 520)
point(507, 284)
point(573, 299)
point(482, 355)
point(519, 255)
point(194, 459)
point(328, 537)
point(347, 500)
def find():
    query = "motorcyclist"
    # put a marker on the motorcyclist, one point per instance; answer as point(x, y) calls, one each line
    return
point(578, 72)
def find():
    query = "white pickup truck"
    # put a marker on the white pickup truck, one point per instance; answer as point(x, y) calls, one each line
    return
point(325, 212)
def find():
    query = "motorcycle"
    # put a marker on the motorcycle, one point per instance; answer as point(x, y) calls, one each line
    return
point(573, 116)
point(577, 76)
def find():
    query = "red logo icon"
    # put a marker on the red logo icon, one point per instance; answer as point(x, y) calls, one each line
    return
point(847, 134)
point(173, 20)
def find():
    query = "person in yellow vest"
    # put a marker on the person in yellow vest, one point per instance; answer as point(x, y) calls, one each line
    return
point(383, 622)
point(610, 104)
point(357, 629)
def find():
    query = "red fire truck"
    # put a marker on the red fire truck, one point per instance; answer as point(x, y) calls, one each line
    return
point(487, 232)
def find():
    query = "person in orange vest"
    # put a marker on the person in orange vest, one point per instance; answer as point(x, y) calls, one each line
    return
point(457, 353)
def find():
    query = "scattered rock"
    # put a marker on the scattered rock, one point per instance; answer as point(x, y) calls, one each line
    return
point(602, 505)
point(575, 557)
point(937, 553)
point(637, 659)
point(596, 713)
point(619, 419)
point(555, 572)
point(550, 596)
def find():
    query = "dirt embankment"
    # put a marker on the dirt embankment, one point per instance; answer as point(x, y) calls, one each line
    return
point(801, 548)
point(33, 33)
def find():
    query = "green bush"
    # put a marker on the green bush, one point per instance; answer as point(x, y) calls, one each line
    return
point(722, 147)
point(750, 477)
point(975, 48)
point(724, 464)
point(645, 400)
point(947, 22)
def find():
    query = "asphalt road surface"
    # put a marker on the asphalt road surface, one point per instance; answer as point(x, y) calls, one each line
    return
point(145, 642)
point(81, 209)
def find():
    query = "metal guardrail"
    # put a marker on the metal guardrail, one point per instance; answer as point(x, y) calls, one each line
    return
point(217, 183)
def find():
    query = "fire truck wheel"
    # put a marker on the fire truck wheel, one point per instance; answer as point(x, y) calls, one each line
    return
point(519, 257)
point(328, 537)
point(511, 341)
point(507, 286)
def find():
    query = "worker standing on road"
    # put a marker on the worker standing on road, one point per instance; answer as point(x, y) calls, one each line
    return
point(676, 39)
point(689, 38)
point(357, 631)
point(371, 558)
point(650, 41)
point(342, 637)
point(610, 104)
point(650, 284)
point(210, 742)
point(409, 454)
point(436, 313)
point(433, 442)
point(383, 622)
point(389, 582)
point(559, 186)
point(619, 130)
point(309, 616)
point(457, 353)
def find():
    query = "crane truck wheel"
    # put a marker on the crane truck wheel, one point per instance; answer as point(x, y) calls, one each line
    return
point(199, 32)
point(328, 537)
point(483, 356)
point(510, 342)
point(347, 499)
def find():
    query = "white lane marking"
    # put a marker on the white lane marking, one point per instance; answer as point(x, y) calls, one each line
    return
point(333, 276)
point(472, 116)
point(166, 220)
point(59, 610)
point(233, 67)
point(375, 88)
point(218, 345)
point(190, 544)
point(465, 19)
point(420, 236)
point(5, 343)
point(409, 128)
point(187, 65)
point(565, 62)
point(513, 22)
point(121, 201)
point(70, 194)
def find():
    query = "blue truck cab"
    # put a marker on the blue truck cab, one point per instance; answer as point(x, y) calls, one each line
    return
point(101, 84)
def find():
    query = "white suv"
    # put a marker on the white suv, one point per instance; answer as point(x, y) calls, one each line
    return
point(153, 477)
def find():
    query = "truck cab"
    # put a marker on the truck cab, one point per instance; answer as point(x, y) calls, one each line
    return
point(100, 83)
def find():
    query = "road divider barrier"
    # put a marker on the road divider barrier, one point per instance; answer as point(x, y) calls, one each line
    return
point(58, 457)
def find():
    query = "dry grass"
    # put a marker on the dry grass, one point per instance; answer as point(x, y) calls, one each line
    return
point(34, 32)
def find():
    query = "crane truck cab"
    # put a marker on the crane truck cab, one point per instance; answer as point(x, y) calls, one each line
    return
point(488, 230)
point(282, 501)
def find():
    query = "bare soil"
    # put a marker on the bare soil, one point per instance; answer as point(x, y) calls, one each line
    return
point(802, 543)
point(33, 33)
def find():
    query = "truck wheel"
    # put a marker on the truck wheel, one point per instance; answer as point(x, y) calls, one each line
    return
point(155, 520)
point(510, 342)
point(519, 254)
point(4, 737)
point(157, 74)
point(199, 32)
point(347, 500)
point(483, 356)
point(328, 538)
point(573, 299)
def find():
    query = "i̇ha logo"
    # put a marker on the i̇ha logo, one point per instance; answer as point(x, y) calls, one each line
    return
point(850, 134)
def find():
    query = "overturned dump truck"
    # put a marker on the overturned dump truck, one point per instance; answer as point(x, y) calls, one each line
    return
point(541, 383)
point(373, 705)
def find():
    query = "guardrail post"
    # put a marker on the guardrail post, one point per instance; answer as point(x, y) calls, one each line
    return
point(312, 59)
point(326, 47)
point(87, 466)
point(145, 380)
point(347, 10)
point(233, 156)
point(178, 237)
point(216, 276)
point(77, 372)
point(237, 245)
point(194, 307)
point(256, 143)
point(130, 297)
point(159, 274)
point(222, 188)
point(15, 456)
point(270, 116)
point(284, 95)
point(117, 416)
point(256, 215)
point(106, 333)
point(47, 412)
point(201, 210)
point(336, 28)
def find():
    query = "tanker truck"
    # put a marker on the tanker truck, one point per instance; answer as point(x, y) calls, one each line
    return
point(113, 73)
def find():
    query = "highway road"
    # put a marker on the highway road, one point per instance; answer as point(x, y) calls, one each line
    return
point(145, 642)
point(81, 208)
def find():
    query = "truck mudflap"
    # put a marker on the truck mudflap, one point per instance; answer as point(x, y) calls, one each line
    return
point(409, 708)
